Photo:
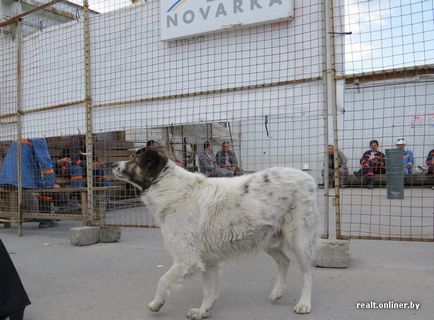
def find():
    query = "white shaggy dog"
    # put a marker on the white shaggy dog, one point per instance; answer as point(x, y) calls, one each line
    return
point(207, 220)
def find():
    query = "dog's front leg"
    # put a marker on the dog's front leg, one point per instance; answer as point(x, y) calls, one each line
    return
point(177, 272)
point(210, 293)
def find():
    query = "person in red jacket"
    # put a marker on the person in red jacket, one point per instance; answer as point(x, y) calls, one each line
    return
point(372, 162)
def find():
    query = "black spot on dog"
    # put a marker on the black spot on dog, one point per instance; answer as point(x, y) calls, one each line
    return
point(266, 179)
point(246, 187)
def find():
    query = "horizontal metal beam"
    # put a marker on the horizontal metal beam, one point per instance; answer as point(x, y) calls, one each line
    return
point(391, 238)
point(405, 72)
point(41, 109)
point(52, 10)
point(18, 17)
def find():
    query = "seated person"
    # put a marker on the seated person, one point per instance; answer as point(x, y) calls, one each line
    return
point(77, 169)
point(226, 159)
point(342, 164)
point(208, 164)
point(430, 162)
point(408, 158)
point(372, 162)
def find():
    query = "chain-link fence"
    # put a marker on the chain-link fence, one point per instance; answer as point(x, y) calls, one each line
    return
point(387, 95)
point(103, 85)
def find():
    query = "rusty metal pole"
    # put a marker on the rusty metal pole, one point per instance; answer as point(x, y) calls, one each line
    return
point(330, 58)
point(88, 114)
point(326, 108)
point(19, 129)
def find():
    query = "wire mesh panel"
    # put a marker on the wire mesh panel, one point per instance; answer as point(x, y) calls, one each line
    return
point(84, 89)
point(42, 103)
point(8, 119)
point(386, 102)
point(254, 93)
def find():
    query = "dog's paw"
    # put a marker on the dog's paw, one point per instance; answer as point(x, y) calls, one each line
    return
point(197, 314)
point(155, 306)
point(302, 307)
point(276, 294)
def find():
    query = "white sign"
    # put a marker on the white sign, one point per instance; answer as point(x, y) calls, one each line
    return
point(184, 18)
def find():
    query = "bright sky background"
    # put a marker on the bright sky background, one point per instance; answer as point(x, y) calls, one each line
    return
point(385, 33)
point(388, 34)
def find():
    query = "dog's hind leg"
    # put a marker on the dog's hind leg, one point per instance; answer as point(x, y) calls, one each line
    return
point(210, 293)
point(303, 248)
point(177, 272)
point(282, 262)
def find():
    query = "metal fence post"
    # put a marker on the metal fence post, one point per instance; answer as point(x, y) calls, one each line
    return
point(333, 223)
point(88, 114)
point(19, 130)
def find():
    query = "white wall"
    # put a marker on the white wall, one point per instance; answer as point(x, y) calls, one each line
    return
point(129, 62)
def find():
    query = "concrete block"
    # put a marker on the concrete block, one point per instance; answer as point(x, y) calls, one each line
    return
point(84, 236)
point(109, 234)
point(332, 254)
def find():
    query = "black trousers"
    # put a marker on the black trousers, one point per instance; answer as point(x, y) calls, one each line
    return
point(13, 296)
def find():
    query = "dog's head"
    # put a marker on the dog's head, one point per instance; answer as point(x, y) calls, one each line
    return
point(141, 171)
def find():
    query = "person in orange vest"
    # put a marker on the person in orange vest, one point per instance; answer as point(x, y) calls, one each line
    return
point(37, 171)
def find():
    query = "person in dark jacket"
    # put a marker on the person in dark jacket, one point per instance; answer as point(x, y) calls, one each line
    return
point(342, 165)
point(372, 162)
point(13, 296)
point(430, 162)
point(226, 158)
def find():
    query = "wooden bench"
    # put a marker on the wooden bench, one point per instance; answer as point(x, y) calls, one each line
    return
point(9, 202)
point(415, 180)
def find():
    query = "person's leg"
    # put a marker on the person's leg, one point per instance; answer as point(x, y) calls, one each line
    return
point(331, 177)
point(226, 173)
point(368, 174)
point(30, 202)
point(45, 202)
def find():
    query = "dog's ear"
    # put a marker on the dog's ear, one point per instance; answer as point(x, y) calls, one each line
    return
point(152, 159)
